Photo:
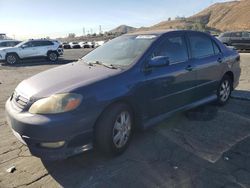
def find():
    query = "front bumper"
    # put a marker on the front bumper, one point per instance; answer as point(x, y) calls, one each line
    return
point(33, 129)
point(2, 57)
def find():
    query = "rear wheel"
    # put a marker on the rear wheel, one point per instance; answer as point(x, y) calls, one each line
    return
point(53, 56)
point(224, 90)
point(113, 130)
point(11, 59)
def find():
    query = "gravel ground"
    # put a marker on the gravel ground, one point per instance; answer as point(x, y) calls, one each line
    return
point(180, 152)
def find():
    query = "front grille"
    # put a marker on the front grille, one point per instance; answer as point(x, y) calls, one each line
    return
point(19, 101)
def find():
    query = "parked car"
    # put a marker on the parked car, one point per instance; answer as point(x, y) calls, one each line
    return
point(84, 44)
point(66, 45)
point(74, 45)
point(8, 43)
point(98, 43)
point(91, 44)
point(31, 49)
point(240, 39)
point(133, 81)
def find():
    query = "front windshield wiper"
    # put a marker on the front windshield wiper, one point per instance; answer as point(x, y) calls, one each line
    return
point(91, 63)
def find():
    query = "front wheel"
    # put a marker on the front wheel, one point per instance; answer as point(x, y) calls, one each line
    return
point(11, 59)
point(113, 130)
point(224, 90)
point(53, 56)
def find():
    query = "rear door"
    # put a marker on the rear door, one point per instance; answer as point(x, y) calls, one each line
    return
point(208, 63)
point(40, 48)
point(47, 45)
point(170, 87)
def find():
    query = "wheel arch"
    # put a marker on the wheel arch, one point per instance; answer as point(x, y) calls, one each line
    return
point(49, 51)
point(125, 101)
point(8, 53)
point(230, 74)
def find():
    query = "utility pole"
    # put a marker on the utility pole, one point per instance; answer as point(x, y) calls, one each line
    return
point(100, 29)
point(83, 31)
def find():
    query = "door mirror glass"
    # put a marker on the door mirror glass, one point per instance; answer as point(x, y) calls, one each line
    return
point(158, 61)
point(24, 46)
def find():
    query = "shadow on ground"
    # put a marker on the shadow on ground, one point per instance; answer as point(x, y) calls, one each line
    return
point(241, 94)
point(37, 62)
point(184, 151)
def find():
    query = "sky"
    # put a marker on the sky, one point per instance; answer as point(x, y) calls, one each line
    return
point(24, 19)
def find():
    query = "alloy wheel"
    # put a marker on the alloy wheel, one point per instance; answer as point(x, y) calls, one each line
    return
point(52, 56)
point(225, 90)
point(122, 129)
point(11, 59)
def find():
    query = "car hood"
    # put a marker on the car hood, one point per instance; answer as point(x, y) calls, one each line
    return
point(62, 79)
point(6, 49)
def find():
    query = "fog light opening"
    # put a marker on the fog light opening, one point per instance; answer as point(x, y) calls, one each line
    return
point(52, 145)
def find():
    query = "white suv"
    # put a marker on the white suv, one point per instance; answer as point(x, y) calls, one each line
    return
point(31, 49)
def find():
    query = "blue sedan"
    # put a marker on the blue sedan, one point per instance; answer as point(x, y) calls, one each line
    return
point(133, 81)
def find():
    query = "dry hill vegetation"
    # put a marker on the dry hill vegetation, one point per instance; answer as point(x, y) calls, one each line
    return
point(228, 16)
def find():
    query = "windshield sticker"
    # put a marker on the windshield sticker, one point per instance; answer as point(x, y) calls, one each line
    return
point(145, 36)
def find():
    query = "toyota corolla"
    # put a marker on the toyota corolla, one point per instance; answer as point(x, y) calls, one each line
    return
point(133, 81)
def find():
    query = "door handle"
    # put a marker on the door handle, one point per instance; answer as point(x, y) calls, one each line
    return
point(189, 68)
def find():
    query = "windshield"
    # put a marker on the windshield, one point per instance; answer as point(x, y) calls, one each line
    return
point(121, 51)
point(20, 44)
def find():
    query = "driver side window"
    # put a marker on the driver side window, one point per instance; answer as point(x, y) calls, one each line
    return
point(174, 48)
point(28, 44)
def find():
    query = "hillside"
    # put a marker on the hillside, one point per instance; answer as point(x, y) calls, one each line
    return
point(228, 16)
point(123, 29)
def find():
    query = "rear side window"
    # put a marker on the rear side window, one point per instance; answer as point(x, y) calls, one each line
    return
point(201, 46)
point(236, 34)
point(46, 43)
point(174, 48)
point(42, 43)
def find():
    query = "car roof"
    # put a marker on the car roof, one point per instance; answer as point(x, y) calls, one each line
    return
point(236, 31)
point(41, 40)
point(150, 32)
point(161, 32)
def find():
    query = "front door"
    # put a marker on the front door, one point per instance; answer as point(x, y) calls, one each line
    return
point(170, 87)
point(27, 50)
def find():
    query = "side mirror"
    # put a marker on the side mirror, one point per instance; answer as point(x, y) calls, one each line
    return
point(24, 46)
point(158, 61)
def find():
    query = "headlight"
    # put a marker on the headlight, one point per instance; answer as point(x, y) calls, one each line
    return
point(58, 103)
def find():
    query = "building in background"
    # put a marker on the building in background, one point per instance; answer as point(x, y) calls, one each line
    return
point(3, 36)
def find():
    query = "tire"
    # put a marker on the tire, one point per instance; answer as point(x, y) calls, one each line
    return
point(113, 130)
point(11, 59)
point(224, 90)
point(52, 56)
